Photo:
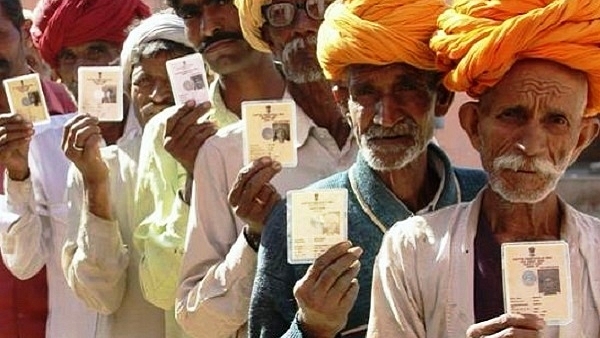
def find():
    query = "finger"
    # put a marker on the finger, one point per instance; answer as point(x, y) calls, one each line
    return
point(514, 332)
point(246, 173)
point(182, 111)
point(196, 134)
point(326, 259)
point(247, 203)
point(14, 145)
point(334, 271)
point(83, 134)
point(256, 183)
point(494, 325)
point(341, 285)
point(185, 118)
point(15, 136)
point(349, 298)
point(9, 118)
point(67, 129)
point(272, 201)
point(15, 124)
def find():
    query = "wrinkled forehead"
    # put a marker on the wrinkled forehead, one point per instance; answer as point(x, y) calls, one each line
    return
point(543, 84)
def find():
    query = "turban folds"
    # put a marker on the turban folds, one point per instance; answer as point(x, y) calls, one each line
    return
point(478, 41)
point(251, 21)
point(377, 32)
point(63, 23)
point(157, 27)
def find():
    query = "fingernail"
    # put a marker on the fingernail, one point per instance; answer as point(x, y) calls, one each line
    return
point(265, 160)
point(356, 251)
point(276, 165)
point(190, 103)
point(206, 105)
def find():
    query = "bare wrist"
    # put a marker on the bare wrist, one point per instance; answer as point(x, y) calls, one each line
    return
point(18, 175)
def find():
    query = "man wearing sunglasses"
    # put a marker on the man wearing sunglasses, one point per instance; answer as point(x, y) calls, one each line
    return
point(224, 231)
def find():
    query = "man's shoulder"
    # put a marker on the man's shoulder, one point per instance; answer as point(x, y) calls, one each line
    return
point(337, 180)
point(586, 222)
point(430, 227)
point(227, 139)
point(470, 181)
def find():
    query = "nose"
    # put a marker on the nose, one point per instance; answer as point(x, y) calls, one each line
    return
point(531, 140)
point(161, 93)
point(303, 25)
point(387, 113)
point(211, 20)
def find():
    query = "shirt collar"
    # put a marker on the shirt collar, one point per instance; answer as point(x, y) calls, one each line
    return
point(374, 196)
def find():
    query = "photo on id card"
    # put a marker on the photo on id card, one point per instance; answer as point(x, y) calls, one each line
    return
point(536, 278)
point(188, 79)
point(270, 130)
point(100, 91)
point(26, 98)
point(316, 220)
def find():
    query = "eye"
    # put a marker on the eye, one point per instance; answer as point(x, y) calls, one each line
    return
point(512, 114)
point(96, 52)
point(189, 11)
point(558, 119)
point(406, 84)
point(66, 56)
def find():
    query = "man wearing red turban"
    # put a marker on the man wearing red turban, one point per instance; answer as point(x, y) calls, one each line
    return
point(73, 33)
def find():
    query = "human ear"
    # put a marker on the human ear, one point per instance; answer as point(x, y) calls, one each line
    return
point(341, 96)
point(469, 121)
point(444, 99)
point(588, 131)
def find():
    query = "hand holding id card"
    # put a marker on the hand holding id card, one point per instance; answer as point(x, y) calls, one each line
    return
point(537, 279)
point(316, 220)
point(26, 98)
point(270, 130)
point(188, 79)
point(101, 92)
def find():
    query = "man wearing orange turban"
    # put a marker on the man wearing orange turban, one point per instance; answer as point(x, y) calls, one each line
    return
point(73, 33)
point(534, 67)
point(389, 89)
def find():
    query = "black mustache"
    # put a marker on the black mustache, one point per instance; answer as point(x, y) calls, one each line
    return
point(218, 36)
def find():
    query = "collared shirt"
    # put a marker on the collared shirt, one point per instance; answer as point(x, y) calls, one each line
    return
point(34, 234)
point(433, 296)
point(372, 210)
point(98, 259)
point(218, 265)
point(162, 215)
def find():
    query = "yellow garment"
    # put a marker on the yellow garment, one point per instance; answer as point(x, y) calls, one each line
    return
point(251, 20)
point(377, 32)
point(478, 41)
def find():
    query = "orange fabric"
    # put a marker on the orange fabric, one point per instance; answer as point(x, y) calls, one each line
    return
point(251, 21)
point(63, 23)
point(478, 41)
point(377, 32)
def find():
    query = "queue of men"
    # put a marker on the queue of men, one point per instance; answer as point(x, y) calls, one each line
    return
point(155, 226)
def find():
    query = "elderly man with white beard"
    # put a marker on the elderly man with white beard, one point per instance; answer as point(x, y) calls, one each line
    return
point(224, 229)
point(390, 91)
point(441, 274)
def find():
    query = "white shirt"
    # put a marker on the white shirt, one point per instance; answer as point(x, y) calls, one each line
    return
point(98, 257)
point(218, 265)
point(423, 276)
point(33, 236)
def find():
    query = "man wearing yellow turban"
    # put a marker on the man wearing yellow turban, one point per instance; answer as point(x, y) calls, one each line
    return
point(387, 84)
point(224, 228)
point(537, 96)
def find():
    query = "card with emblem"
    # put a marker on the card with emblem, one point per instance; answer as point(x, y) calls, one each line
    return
point(270, 130)
point(26, 98)
point(537, 279)
point(316, 220)
point(101, 92)
point(188, 79)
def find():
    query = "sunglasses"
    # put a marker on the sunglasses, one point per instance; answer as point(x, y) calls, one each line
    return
point(282, 14)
